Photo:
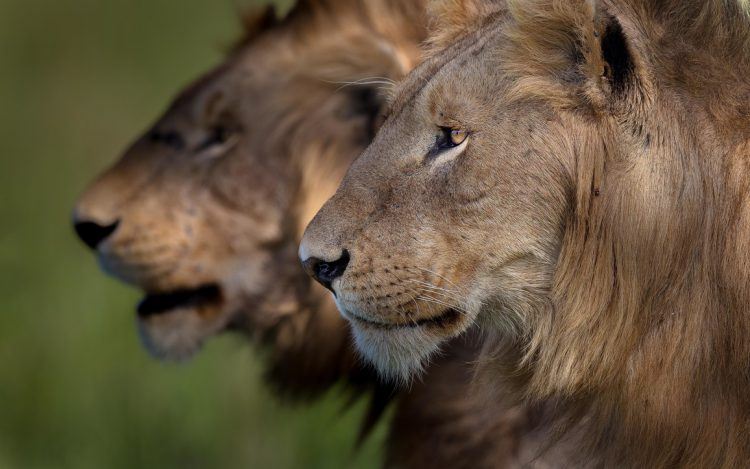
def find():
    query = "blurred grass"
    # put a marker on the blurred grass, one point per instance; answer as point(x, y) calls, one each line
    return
point(78, 80)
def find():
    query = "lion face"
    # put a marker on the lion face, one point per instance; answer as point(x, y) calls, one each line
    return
point(458, 211)
point(456, 193)
point(571, 172)
point(204, 212)
point(168, 216)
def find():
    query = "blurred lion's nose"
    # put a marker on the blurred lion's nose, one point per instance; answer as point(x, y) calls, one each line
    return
point(326, 272)
point(92, 233)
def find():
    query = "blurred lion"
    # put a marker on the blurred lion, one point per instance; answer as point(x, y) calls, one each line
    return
point(571, 176)
point(204, 213)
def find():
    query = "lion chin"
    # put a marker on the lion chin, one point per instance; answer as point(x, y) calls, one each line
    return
point(176, 332)
point(401, 352)
point(398, 356)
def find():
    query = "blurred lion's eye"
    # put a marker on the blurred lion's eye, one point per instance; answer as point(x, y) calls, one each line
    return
point(168, 138)
point(218, 137)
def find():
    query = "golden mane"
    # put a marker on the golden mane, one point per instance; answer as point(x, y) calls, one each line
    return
point(300, 365)
point(646, 334)
point(383, 39)
point(265, 137)
point(451, 19)
point(388, 21)
point(310, 350)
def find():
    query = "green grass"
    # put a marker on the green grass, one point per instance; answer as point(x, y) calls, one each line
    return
point(78, 80)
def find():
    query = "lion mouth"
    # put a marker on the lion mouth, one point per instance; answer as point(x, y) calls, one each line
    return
point(162, 303)
point(447, 319)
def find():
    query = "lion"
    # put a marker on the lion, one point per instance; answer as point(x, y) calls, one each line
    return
point(205, 211)
point(570, 176)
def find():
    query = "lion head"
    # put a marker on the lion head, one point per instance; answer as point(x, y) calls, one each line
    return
point(570, 175)
point(205, 210)
point(407, 244)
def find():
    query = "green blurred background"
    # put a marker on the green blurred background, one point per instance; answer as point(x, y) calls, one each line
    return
point(78, 80)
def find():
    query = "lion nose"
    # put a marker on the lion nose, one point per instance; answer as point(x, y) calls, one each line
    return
point(325, 272)
point(92, 233)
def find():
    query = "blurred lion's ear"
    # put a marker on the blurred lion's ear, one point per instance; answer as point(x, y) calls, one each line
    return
point(258, 20)
point(254, 22)
point(369, 102)
point(365, 72)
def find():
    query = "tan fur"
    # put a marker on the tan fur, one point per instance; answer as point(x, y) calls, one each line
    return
point(595, 224)
point(451, 19)
point(297, 106)
point(291, 93)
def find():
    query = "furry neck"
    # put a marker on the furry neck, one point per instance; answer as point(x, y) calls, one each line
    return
point(310, 352)
point(645, 335)
point(307, 341)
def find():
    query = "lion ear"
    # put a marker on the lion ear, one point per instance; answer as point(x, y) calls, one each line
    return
point(619, 64)
point(609, 55)
point(608, 52)
point(255, 21)
point(368, 102)
point(558, 45)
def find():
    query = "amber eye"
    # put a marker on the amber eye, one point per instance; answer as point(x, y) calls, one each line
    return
point(458, 136)
point(450, 138)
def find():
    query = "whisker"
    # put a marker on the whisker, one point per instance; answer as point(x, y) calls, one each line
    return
point(446, 294)
point(443, 296)
point(437, 275)
point(385, 86)
point(416, 303)
point(450, 299)
point(419, 311)
point(428, 299)
point(365, 79)
point(363, 83)
point(387, 83)
point(435, 287)
point(424, 296)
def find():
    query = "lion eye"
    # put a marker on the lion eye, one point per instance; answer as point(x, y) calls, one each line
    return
point(450, 142)
point(218, 137)
point(451, 138)
point(458, 136)
point(167, 138)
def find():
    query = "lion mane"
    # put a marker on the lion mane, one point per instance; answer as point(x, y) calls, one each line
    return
point(316, 77)
point(645, 343)
point(309, 350)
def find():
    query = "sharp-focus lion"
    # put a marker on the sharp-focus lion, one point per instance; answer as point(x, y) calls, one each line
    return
point(572, 176)
point(205, 211)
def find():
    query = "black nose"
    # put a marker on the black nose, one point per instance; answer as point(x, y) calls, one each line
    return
point(326, 272)
point(92, 234)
